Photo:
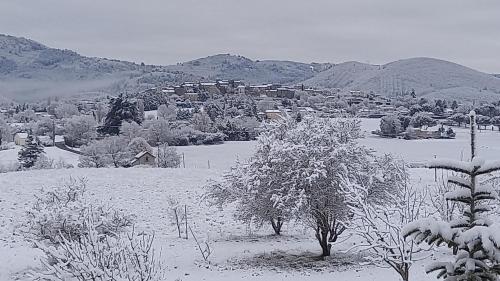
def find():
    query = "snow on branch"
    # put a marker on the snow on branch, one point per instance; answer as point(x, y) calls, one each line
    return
point(488, 167)
point(449, 164)
point(459, 181)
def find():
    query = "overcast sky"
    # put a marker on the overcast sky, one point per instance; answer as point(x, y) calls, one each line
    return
point(171, 31)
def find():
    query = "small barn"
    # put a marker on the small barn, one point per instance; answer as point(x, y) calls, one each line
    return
point(20, 138)
point(143, 158)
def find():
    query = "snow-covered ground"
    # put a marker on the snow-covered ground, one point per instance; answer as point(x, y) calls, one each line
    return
point(9, 156)
point(239, 252)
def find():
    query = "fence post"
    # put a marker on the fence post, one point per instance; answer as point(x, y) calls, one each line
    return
point(435, 171)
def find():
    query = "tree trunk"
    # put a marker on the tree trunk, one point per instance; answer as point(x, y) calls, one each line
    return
point(322, 236)
point(277, 224)
point(405, 274)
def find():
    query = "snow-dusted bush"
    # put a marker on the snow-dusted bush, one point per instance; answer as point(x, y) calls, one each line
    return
point(60, 212)
point(168, 157)
point(93, 156)
point(110, 150)
point(9, 167)
point(97, 256)
point(379, 223)
point(474, 235)
point(44, 162)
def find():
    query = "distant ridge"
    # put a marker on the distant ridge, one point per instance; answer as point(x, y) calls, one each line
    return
point(30, 70)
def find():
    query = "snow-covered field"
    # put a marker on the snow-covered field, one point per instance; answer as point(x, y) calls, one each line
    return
point(239, 252)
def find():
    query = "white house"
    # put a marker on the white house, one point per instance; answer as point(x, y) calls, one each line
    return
point(20, 138)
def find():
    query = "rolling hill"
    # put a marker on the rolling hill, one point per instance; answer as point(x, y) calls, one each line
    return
point(30, 70)
point(426, 76)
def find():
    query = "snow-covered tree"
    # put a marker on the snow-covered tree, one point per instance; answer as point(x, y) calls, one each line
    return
point(157, 131)
point(80, 130)
point(44, 126)
point(131, 130)
point(202, 122)
point(121, 109)
point(66, 110)
point(422, 119)
point(459, 118)
point(138, 145)
point(168, 113)
point(380, 222)
point(5, 132)
point(390, 125)
point(140, 109)
point(482, 120)
point(25, 116)
point(252, 184)
point(321, 160)
point(100, 112)
point(496, 122)
point(473, 236)
point(30, 152)
point(168, 157)
point(117, 150)
point(298, 171)
point(93, 156)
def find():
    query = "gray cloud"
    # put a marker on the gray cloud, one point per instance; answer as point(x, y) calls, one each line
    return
point(170, 31)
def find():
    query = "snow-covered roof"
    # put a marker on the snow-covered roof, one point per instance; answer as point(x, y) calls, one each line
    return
point(22, 135)
point(273, 111)
point(139, 155)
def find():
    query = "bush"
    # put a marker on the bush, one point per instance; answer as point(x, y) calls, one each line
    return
point(168, 157)
point(96, 256)
point(59, 212)
point(188, 136)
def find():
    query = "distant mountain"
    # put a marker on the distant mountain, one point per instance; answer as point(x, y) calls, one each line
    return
point(426, 76)
point(30, 70)
point(226, 66)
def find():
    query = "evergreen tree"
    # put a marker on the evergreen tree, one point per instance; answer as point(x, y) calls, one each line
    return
point(30, 152)
point(121, 109)
point(475, 235)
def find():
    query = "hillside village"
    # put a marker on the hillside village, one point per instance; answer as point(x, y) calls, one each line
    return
point(212, 112)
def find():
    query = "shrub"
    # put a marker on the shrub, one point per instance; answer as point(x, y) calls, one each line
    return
point(59, 212)
point(168, 157)
point(97, 256)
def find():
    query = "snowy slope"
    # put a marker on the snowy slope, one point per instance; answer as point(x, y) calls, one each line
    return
point(30, 70)
point(427, 76)
point(237, 255)
point(226, 66)
point(145, 192)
